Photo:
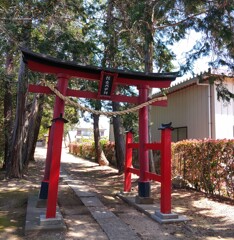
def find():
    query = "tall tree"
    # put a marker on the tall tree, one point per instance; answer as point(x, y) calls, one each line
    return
point(29, 26)
point(14, 165)
point(8, 102)
point(109, 59)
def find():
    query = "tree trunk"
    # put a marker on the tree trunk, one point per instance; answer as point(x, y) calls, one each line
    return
point(69, 137)
point(109, 60)
point(37, 127)
point(151, 155)
point(15, 162)
point(149, 32)
point(33, 129)
point(119, 140)
point(149, 68)
point(7, 107)
point(100, 156)
point(96, 136)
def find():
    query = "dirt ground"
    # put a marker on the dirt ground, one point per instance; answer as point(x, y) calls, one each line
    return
point(210, 218)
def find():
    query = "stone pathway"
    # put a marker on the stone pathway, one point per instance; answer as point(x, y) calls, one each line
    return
point(117, 219)
point(114, 228)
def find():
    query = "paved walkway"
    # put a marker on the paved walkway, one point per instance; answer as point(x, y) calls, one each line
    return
point(114, 228)
point(101, 222)
point(129, 223)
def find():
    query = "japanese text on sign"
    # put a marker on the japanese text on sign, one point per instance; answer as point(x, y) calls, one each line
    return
point(107, 85)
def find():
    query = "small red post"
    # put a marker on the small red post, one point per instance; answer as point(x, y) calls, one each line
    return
point(166, 171)
point(128, 164)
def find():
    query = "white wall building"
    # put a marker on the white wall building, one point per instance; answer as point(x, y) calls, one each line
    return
point(195, 112)
point(84, 129)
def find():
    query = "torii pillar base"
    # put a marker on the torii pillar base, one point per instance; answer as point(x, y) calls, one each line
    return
point(144, 193)
point(43, 194)
point(168, 217)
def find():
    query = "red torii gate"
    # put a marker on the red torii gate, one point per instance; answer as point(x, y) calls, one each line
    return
point(108, 80)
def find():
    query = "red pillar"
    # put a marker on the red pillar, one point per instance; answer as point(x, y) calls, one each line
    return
point(166, 171)
point(58, 109)
point(128, 164)
point(53, 164)
point(55, 169)
point(143, 184)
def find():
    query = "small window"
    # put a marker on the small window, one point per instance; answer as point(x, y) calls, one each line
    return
point(78, 132)
point(179, 133)
point(86, 132)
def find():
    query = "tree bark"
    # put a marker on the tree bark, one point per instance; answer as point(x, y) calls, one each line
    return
point(151, 155)
point(119, 140)
point(100, 156)
point(14, 166)
point(109, 59)
point(33, 129)
point(37, 126)
point(7, 107)
point(149, 47)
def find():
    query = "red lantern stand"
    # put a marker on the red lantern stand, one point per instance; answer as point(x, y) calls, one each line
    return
point(108, 80)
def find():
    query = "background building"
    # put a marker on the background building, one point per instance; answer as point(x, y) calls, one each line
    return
point(84, 129)
point(195, 111)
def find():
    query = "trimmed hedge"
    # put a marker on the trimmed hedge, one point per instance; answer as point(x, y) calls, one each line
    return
point(207, 165)
point(84, 150)
point(87, 150)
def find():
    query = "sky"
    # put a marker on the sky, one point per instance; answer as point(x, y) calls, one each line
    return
point(179, 48)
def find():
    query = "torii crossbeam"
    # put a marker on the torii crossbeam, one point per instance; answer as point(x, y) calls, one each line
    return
point(108, 79)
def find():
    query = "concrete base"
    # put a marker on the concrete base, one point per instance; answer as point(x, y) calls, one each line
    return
point(35, 220)
point(152, 210)
point(58, 220)
point(144, 200)
point(168, 218)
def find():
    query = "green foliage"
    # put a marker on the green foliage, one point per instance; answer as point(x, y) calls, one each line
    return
point(223, 93)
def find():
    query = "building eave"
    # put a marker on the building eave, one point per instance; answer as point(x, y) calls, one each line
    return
point(202, 78)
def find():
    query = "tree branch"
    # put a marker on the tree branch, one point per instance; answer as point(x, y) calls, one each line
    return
point(179, 22)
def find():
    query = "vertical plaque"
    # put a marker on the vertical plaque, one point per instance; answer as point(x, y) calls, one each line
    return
point(106, 85)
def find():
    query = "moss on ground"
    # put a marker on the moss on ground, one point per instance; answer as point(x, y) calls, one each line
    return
point(12, 210)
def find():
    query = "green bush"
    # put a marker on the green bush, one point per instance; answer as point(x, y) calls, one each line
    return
point(208, 165)
point(84, 150)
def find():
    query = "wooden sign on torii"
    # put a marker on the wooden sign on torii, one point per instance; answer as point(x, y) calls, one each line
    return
point(108, 80)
